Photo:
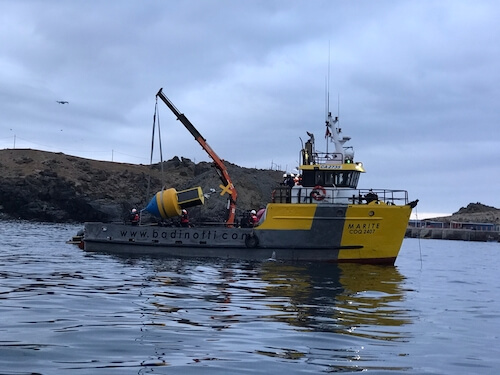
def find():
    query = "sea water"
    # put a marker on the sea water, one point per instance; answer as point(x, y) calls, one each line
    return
point(64, 311)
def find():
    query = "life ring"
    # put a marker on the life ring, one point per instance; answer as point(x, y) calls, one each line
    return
point(318, 193)
point(251, 241)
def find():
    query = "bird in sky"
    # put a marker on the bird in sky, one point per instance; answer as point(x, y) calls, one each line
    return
point(62, 102)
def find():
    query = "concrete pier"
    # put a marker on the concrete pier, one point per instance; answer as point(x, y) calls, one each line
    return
point(453, 234)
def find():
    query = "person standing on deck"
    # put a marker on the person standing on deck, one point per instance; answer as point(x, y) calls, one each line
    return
point(185, 219)
point(253, 218)
point(134, 217)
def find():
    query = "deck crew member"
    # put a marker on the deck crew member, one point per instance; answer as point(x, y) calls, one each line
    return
point(371, 196)
point(254, 220)
point(134, 217)
point(184, 219)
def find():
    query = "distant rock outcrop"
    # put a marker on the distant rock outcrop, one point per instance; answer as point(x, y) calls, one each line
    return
point(474, 213)
point(54, 187)
point(475, 208)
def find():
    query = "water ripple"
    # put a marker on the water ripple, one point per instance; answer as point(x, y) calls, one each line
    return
point(64, 310)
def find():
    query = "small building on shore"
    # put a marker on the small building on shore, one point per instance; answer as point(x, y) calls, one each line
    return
point(453, 230)
point(474, 226)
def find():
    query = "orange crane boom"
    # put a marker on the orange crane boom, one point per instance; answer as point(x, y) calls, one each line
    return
point(227, 185)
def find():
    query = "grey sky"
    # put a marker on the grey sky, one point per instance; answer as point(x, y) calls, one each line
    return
point(417, 84)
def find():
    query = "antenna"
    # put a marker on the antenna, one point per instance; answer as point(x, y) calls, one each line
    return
point(328, 96)
point(326, 99)
point(338, 107)
point(327, 88)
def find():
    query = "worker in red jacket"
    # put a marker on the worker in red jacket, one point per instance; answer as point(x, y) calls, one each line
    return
point(134, 217)
point(184, 219)
point(254, 220)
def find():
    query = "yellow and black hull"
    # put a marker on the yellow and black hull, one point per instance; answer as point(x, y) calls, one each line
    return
point(367, 233)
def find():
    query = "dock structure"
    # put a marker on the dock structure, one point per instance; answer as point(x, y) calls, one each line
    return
point(453, 234)
point(462, 231)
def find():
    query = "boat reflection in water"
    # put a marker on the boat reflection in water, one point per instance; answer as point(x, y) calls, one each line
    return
point(324, 317)
point(354, 299)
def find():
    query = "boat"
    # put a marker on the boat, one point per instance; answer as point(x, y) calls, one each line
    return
point(318, 215)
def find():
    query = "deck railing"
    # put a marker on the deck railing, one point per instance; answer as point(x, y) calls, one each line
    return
point(330, 195)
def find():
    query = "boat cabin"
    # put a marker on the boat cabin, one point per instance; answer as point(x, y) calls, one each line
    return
point(331, 177)
point(323, 183)
point(325, 177)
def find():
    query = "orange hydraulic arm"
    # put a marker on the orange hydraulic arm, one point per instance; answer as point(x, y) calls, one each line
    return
point(227, 186)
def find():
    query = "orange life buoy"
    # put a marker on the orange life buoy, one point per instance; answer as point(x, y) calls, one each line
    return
point(318, 193)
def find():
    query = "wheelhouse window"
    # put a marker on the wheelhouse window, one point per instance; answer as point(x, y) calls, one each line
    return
point(346, 179)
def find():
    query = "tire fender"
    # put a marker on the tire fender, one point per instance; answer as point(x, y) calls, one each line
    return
point(251, 241)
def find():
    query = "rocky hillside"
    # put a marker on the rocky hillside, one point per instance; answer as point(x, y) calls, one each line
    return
point(475, 213)
point(54, 187)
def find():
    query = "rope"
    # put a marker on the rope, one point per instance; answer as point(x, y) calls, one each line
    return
point(159, 142)
point(148, 196)
point(419, 245)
